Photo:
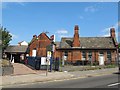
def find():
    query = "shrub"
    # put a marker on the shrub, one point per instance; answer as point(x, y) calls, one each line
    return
point(5, 63)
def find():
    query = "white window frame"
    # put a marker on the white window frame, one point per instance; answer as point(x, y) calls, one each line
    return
point(83, 55)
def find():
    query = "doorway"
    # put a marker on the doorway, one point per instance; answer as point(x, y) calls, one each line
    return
point(101, 58)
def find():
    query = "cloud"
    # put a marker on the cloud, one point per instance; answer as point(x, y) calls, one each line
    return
point(116, 25)
point(106, 32)
point(62, 31)
point(14, 36)
point(60, 36)
point(90, 9)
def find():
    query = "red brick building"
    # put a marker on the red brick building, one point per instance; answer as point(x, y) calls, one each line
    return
point(39, 44)
point(77, 48)
point(87, 48)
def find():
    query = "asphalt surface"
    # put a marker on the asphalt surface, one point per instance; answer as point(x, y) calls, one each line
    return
point(106, 81)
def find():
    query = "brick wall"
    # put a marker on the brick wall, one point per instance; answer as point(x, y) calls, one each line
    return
point(105, 56)
point(97, 55)
point(113, 55)
point(40, 43)
point(76, 55)
point(69, 56)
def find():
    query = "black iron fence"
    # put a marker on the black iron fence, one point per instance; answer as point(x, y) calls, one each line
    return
point(35, 63)
point(56, 63)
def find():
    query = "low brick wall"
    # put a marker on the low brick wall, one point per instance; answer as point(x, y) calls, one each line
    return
point(7, 70)
point(70, 68)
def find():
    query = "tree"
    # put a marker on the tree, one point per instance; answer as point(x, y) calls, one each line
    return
point(119, 45)
point(6, 37)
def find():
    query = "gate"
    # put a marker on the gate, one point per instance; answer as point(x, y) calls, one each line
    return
point(35, 63)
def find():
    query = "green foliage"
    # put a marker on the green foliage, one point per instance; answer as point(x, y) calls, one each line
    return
point(5, 62)
point(119, 45)
point(5, 36)
point(111, 66)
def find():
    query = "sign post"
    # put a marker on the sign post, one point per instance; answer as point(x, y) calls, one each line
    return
point(47, 67)
point(48, 61)
point(50, 49)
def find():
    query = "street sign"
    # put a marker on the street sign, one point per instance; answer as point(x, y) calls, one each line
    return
point(48, 54)
point(34, 53)
point(65, 58)
point(44, 61)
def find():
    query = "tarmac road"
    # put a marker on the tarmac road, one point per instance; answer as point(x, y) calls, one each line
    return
point(106, 81)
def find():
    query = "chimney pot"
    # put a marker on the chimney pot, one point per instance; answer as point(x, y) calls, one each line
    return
point(35, 36)
point(76, 27)
point(112, 32)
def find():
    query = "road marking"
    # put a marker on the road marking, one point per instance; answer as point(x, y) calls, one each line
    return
point(113, 84)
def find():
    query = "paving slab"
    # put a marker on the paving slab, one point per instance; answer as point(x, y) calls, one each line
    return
point(19, 79)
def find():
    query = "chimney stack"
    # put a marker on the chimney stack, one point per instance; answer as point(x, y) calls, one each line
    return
point(34, 36)
point(112, 32)
point(76, 42)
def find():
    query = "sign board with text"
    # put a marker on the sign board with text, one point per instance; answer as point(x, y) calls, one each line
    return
point(44, 61)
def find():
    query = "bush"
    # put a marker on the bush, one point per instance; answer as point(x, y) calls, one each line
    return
point(7, 67)
point(5, 63)
point(110, 66)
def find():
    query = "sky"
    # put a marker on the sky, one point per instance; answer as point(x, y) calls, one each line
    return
point(25, 19)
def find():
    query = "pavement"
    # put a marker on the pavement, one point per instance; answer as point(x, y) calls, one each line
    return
point(21, 69)
point(52, 76)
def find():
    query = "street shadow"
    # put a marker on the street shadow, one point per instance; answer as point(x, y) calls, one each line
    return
point(117, 73)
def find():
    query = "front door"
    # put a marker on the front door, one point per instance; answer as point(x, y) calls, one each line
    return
point(16, 58)
point(101, 58)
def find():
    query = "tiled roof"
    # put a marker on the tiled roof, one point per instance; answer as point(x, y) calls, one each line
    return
point(57, 44)
point(89, 42)
point(16, 48)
